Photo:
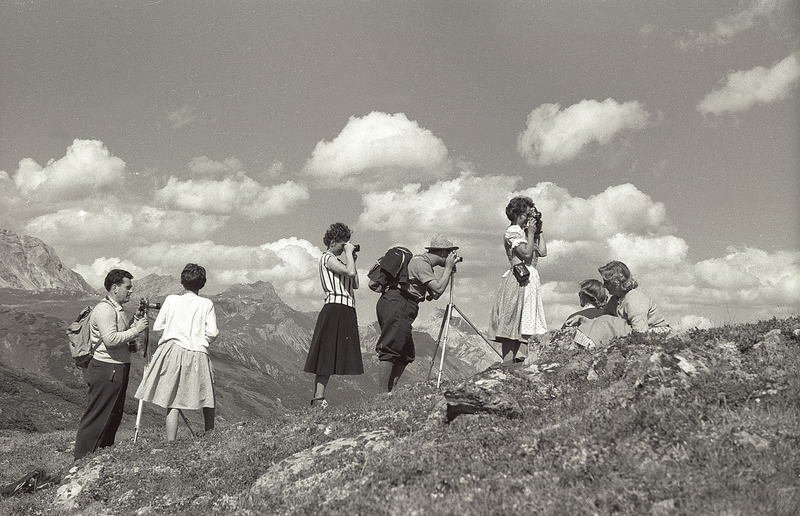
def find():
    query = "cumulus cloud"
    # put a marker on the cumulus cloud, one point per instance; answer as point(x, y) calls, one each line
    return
point(553, 135)
point(87, 167)
point(281, 261)
point(753, 276)
point(238, 194)
point(643, 252)
point(93, 225)
point(744, 89)
point(476, 205)
point(95, 273)
point(379, 149)
point(205, 166)
point(727, 27)
point(182, 117)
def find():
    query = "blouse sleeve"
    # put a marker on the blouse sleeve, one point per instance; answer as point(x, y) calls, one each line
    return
point(211, 323)
point(161, 319)
point(515, 236)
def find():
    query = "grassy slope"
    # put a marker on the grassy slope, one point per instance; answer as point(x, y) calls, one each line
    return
point(621, 430)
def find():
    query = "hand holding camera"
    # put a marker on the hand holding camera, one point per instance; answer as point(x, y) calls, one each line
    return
point(534, 220)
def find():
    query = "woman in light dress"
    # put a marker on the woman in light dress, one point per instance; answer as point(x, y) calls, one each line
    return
point(180, 376)
point(518, 313)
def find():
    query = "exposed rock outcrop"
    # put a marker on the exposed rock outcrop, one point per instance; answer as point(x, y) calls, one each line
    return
point(27, 263)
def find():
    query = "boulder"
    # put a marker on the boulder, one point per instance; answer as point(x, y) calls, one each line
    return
point(73, 485)
point(483, 393)
point(318, 468)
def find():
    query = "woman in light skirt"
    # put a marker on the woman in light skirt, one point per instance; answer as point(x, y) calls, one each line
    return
point(180, 376)
point(518, 313)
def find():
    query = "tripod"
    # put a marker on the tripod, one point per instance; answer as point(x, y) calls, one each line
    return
point(445, 330)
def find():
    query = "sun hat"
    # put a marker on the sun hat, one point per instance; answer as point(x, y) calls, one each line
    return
point(440, 242)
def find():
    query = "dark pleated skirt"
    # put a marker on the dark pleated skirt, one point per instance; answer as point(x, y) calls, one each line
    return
point(335, 346)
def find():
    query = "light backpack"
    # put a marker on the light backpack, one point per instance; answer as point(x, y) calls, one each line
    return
point(79, 337)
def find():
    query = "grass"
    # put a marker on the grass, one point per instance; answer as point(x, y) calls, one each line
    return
point(642, 437)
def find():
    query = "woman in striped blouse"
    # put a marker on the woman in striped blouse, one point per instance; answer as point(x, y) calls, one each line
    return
point(335, 346)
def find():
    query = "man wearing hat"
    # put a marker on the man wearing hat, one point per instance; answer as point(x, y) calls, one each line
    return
point(398, 306)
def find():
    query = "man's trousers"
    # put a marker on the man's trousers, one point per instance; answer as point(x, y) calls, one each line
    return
point(108, 384)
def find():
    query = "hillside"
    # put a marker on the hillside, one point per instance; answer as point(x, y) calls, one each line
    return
point(704, 423)
point(27, 263)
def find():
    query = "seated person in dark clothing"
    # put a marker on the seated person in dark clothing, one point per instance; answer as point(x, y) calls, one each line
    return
point(593, 297)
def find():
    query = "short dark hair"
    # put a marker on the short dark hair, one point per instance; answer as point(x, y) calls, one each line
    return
point(193, 277)
point(115, 277)
point(338, 232)
point(517, 206)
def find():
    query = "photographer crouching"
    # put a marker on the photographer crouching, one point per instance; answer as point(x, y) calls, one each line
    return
point(112, 339)
point(398, 306)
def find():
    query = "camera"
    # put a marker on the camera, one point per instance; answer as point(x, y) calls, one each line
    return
point(459, 259)
point(144, 304)
point(356, 248)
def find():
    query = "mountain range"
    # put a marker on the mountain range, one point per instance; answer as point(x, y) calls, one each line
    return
point(258, 358)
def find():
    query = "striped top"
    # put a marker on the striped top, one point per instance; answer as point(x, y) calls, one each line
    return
point(338, 288)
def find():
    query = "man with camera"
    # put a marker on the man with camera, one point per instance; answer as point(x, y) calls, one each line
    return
point(398, 306)
point(113, 340)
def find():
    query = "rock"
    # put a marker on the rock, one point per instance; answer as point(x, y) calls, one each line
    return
point(748, 439)
point(483, 393)
point(690, 365)
point(331, 459)
point(663, 508)
point(73, 484)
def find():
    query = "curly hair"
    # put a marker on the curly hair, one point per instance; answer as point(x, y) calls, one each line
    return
point(338, 232)
point(617, 273)
point(594, 292)
point(517, 206)
point(193, 277)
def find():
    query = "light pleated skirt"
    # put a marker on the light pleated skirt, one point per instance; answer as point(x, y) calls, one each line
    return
point(178, 378)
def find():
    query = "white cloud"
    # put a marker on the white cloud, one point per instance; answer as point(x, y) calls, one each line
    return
point(93, 225)
point(727, 27)
point(476, 205)
point(205, 166)
point(87, 167)
point(290, 264)
point(379, 149)
point(95, 273)
point(753, 276)
point(237, 194)
point(744, 89)
point(643, 252)
point(182, 117)
point(553, 135)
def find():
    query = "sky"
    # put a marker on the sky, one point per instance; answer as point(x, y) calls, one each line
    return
point(149, 134)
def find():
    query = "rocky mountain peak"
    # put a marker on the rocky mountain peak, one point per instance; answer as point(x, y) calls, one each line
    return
point(27, 263)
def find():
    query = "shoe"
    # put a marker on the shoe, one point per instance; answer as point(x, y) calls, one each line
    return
point(320, 402)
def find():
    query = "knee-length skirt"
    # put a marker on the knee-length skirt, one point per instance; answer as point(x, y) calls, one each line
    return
point(335, 347)
point(178, 378)
point(518, 311)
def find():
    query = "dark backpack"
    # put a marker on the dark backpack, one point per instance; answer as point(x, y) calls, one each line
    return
point(391, 270)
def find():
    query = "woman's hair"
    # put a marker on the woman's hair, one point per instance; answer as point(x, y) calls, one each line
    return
point(618, 273)
point(338, 232)
point(193, 277)
point(594, 292)
point(517, 206)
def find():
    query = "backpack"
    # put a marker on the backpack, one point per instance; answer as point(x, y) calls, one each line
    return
point(78, 335)
point(391, 270)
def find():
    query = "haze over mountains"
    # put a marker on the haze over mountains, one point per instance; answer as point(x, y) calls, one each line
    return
point(258, 358)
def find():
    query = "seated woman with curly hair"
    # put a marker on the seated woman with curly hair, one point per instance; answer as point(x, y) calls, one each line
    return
point(629, 302)
point(629, 310)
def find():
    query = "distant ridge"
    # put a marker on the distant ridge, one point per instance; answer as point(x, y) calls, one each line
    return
point(27, 263)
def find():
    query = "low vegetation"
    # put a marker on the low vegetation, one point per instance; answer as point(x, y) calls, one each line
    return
point(703, 423)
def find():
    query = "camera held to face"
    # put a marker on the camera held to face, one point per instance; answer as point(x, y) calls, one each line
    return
point(356, 248)
point(534, 219)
